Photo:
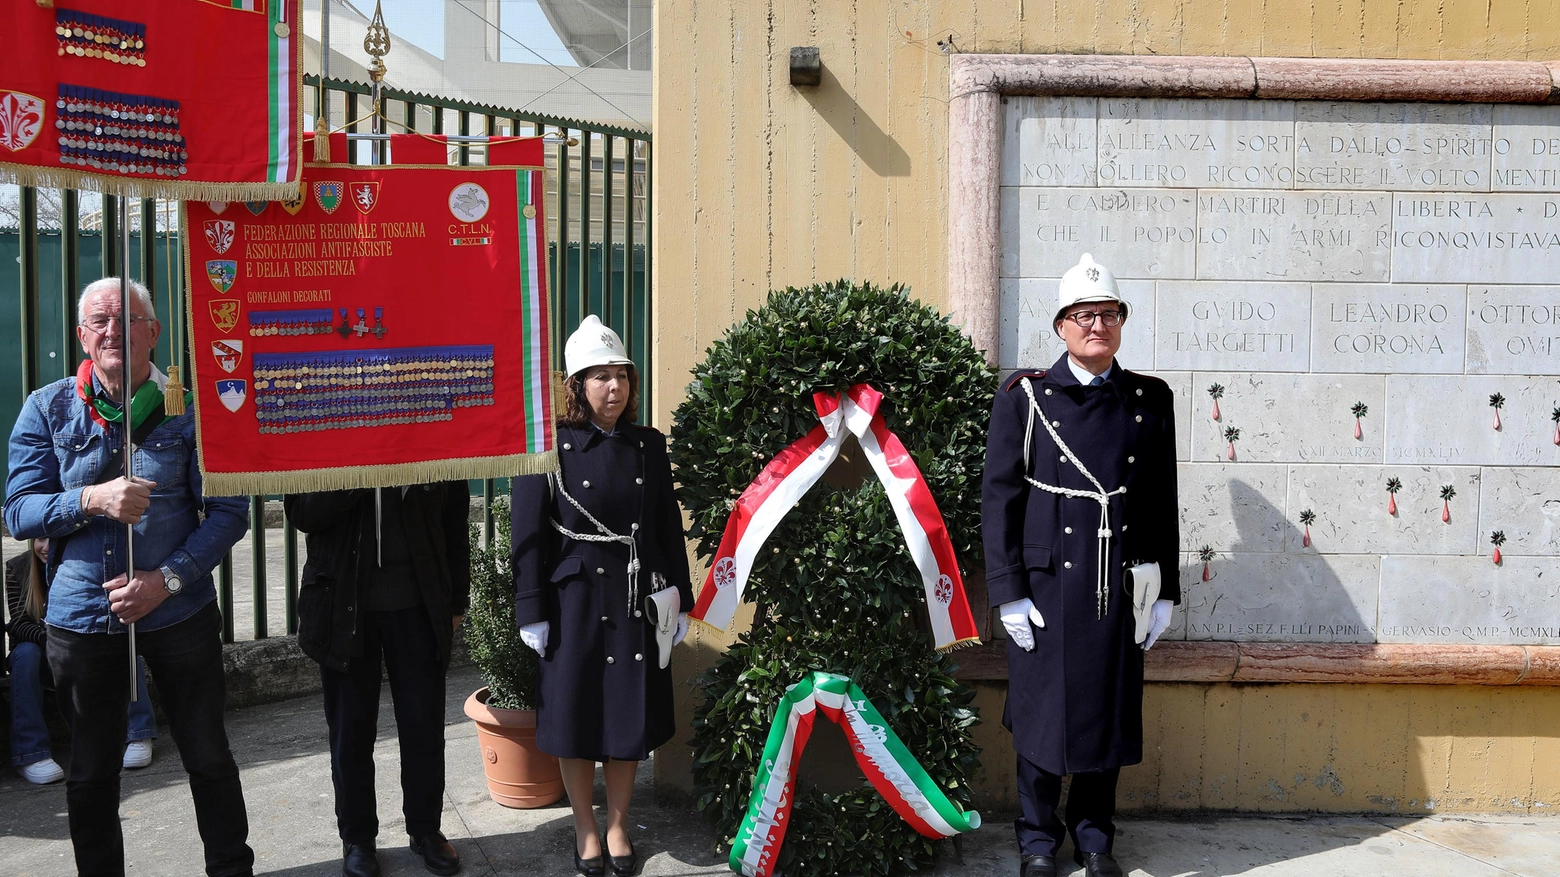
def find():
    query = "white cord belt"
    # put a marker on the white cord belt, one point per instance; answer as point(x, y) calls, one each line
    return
point(1099, 495)
point(606, 535)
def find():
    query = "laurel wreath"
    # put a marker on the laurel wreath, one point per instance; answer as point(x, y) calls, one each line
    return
point(835, 586)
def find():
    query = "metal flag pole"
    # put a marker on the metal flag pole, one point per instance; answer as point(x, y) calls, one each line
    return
point(125, 353)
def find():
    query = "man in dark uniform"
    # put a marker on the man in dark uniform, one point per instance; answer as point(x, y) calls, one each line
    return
point(1080, 484)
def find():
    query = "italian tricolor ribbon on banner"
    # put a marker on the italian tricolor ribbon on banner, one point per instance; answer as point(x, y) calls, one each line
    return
point(788, 477)
point(888, 765)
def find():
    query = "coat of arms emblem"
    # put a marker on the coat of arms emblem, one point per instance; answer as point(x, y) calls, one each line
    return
point(468, 202)
point(293, 205)
point(224, 313)
point(219, 233)
point(232, 394)
point(256, 207)
point(365, 195)
point(222, 273)
point(228, 353)
point(217, 207)
point(327, 194)
point(21, 118)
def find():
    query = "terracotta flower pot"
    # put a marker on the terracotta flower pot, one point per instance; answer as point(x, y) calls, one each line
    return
point(518, 774)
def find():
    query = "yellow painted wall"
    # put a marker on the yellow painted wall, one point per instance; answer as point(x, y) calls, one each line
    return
point(1387, 748)
point(760, 185)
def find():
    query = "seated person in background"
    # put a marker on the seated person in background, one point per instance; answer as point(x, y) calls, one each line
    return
point(26, 595)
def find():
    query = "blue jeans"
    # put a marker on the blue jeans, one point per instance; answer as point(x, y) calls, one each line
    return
point(30, 676)
point(186, 658)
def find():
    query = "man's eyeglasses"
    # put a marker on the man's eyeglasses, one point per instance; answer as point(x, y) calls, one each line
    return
point(1085, 319)
point(100, 322)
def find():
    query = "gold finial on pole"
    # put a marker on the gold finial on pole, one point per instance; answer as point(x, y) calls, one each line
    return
point(377, 44)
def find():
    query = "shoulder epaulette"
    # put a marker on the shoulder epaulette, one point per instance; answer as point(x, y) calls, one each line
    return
point(1017, 376)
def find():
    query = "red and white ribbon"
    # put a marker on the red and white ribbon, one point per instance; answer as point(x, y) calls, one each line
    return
point(788, 477)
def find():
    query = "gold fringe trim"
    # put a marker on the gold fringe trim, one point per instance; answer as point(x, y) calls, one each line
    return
point(706, 625)
point(393, 475)
point(960, 644)
point(141, 187)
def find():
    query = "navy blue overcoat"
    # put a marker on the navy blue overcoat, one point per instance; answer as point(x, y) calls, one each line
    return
point(1075, 703)
point(601, 692)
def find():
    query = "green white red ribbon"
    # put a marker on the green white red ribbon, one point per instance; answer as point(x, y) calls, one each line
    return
point(788, 477)
point(888, 765)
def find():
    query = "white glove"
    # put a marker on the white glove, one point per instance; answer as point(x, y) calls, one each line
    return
point(682, 628)
point(1016, 617)
point(534, 635)
point(1158, 620)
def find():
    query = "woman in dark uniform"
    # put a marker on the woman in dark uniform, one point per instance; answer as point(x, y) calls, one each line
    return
point(590, 544)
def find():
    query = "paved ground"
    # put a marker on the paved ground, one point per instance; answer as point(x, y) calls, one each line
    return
point(281, 748)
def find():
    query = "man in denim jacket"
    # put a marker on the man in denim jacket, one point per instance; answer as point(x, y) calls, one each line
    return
point(67, 483)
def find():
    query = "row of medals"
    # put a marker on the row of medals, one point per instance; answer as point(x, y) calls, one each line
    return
point(115, 47)
point(387, 372)
point(324, 328)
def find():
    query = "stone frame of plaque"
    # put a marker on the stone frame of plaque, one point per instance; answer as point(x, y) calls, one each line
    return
point(1246, 267)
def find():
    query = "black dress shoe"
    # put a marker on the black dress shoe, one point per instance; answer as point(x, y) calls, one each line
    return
point(622, 866)
point(590, 867)
point(1097, 864)
point(358, 860)
point(437, 854)
point(1037, 866)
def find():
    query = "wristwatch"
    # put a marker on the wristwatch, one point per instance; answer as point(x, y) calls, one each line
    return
point(172, 583)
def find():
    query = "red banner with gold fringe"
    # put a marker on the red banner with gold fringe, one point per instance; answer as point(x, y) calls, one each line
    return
point(388, 327)
point(194, 99)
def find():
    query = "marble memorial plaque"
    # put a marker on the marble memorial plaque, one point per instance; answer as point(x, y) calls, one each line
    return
point(1309, 258)
point(1233, 508)
point(1469, 600)
point(1049, 141)
point(1137, 233)
point(1232, 144)
point(1514, 330)
point(1248, 326)
point(1283, 598)
point(1289, 418)
point(1452, 420)
point(1393, 146)
point(1274, 235)
point(1390, 329)
point(1353, 517)
point(1526, 143)
point(1524, 505)
point(1449, 238)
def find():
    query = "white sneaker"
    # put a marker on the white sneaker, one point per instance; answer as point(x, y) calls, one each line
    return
point(42, 772)
point(138, 754)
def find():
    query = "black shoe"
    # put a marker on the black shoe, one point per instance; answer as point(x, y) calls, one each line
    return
point(437, 854)
point(358, 860)
point(590, 867)
point(622, 866)
point(1097, 864)
point(1037, 866)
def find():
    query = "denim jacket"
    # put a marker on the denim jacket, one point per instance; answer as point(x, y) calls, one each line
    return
point(56, 450)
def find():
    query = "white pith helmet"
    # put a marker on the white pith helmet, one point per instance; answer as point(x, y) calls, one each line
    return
point(593, 344)
point(1085, 282)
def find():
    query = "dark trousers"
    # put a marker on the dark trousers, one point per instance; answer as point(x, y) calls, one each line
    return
point(404, 641)
point(1091, 810)
point(92, 680)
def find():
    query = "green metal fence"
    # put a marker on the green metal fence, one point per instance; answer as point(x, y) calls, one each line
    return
point(598, 186)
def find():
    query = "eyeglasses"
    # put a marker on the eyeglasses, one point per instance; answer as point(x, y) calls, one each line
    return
point(99, 323)
point(1085, 319)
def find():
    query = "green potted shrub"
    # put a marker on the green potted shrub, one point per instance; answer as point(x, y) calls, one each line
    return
point(518, 773)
